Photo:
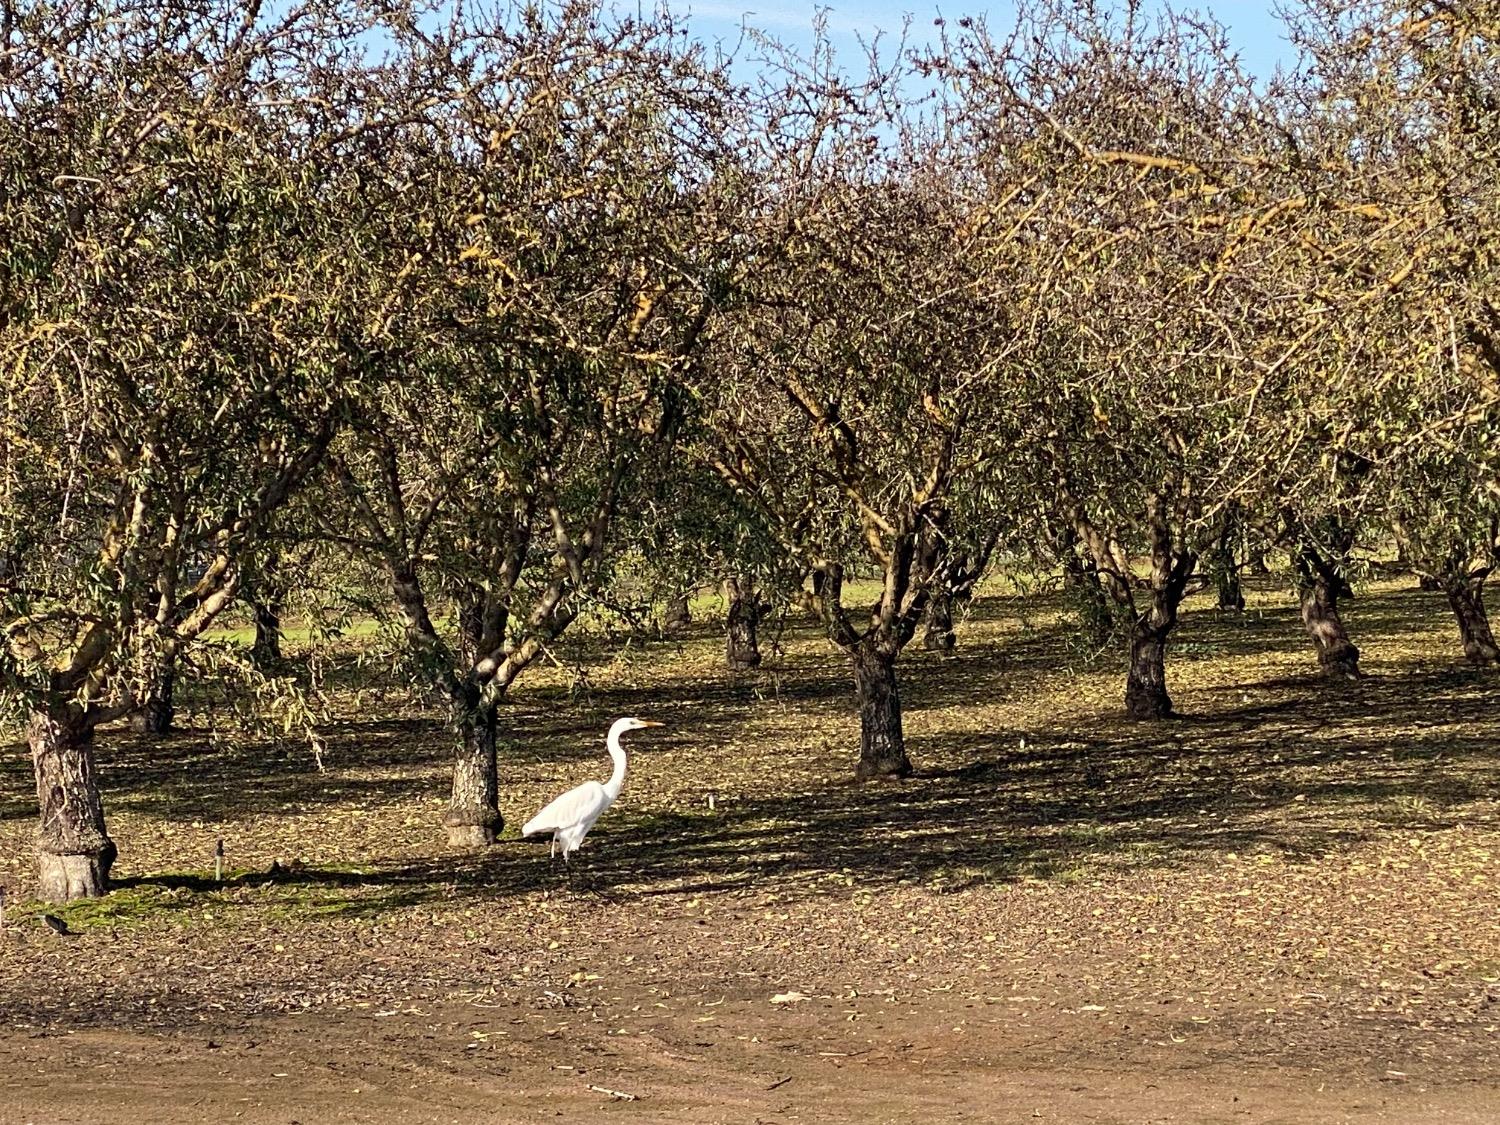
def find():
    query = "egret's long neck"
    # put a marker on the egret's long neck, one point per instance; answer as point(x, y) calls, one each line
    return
point(616, 780)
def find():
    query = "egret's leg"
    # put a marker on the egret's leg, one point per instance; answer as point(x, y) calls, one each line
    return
point(591, 886)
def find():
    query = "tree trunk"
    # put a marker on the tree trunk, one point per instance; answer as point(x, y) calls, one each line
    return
point(1321, 588)
point(73, 850)
point(1466, 596)
point(1223, 562)
point(882, 746)
point(1096, 616)
point(1146, 683)
point(741, 645)
point(1226, 573)
point(810, 599)
point(678, 616)
point(470, 624)
point(1255, 561)
point(265, 653)
point(473, 818)
point(157, 711)
point(1231, 594)
point(937, 622)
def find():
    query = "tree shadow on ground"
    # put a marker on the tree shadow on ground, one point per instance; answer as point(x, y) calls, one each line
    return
point(1312, 768)
point(1301, 776)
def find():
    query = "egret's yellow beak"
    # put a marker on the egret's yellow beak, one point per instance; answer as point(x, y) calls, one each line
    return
point(651, 723)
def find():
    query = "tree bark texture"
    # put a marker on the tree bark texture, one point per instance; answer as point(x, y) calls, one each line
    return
point(937, 622)
point(1223, 562)
point(266, 593)
point(1171, 569)
point(882, 746)
point(470, 625)
point(1466, 596)
point(157, 711)
point(741, 642)
point(1146, 682)
point(1321, 588)
point(473, 818)
point(73, 849)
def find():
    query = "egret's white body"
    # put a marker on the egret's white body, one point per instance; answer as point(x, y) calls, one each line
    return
point(570, 816)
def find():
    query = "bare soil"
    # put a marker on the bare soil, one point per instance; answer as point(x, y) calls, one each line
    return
point(1280, 908)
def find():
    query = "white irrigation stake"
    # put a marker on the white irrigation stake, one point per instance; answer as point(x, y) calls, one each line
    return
point(621, 1094)
point(219, 862)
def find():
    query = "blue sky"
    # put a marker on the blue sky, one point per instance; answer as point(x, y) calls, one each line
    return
point(1254, 31)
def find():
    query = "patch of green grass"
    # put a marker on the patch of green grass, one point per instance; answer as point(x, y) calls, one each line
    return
point(293, 636)
point(193, 897)
point(128, 906)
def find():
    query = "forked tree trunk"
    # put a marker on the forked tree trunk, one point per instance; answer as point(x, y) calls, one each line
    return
point(1466, 596)
point(265, 652)
point(473, 818)
point(937, 623)
point(1146, 682)
point(957, 578)
point(882, 747)
point(157, 710)
point(73, 850)
point(1321, 587)
point(741, 643)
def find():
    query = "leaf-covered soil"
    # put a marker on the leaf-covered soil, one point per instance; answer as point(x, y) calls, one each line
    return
point(1282, 907)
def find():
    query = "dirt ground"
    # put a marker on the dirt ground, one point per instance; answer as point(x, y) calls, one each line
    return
point(426, 1065)
point(1281, 908)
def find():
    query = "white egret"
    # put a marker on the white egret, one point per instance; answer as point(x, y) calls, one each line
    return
point(570, 816)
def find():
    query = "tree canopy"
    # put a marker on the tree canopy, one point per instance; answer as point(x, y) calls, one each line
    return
point(513, 314)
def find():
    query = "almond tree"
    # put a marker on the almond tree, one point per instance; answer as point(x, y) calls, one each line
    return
point(852, 399)
point(1135, 149)
point(1400, 160)
point(168, 356)
point(564, 223)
